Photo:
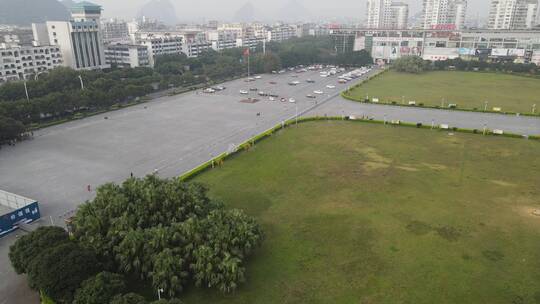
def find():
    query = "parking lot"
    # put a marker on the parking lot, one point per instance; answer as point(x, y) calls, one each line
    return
point(172, 135)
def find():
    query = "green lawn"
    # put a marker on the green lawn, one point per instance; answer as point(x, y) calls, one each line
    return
point(466, 89)
point(362, 213)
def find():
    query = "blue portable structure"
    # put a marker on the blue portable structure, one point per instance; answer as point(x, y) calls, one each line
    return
point(15, 209)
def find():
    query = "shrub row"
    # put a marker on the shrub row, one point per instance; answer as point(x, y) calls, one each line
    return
point(218, 160)
point(346, 94)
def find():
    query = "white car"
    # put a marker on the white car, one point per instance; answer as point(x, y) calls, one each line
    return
point(318, 92)
point(292, 100)
point(331, 86)
point(244, 92)
point(209, 90)
point(271, 98)
point(324, 75)
point(258, 77)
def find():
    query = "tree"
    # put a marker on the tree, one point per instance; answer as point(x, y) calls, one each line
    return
point(32, 245)
point(168, 232)
point(60, 270)
point(129, 298)
point(410, 64)
point(10, 129)
point(99, 289)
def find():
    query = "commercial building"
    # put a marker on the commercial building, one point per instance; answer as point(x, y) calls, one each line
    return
point(444, 14)
point(490, 45)
point(79, 40)
point(513, 14)
point(195, 48)
point(386, 14)
point(16, 210)
point(127, 55)
point(19, 62)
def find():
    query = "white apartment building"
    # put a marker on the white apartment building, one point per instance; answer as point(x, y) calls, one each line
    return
point(24, 62)
point(79, 40)
point(512, 14)
point(281, 32)
point(161, 44)
point(387, 14)
point(115, 31)
point(127, 55)
point(444, 13)
point(196, 48)
point(222, 39)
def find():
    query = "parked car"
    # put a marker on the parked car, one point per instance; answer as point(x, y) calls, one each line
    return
point(318, 92)
point(209, 90)
point(311, 96)
point(292, 100)
point(310, 81)
point(253, 89)
point(244, 92)
point(331, 86)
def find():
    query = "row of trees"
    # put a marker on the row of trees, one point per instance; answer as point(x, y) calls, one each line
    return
point(58, 94)
point(163, 231)
point(415, 64)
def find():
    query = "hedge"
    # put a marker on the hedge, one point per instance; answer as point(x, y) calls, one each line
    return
point(345, 94)
point(216, 161)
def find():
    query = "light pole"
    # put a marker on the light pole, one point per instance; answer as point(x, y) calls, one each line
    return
point(159, 291)
point(82, 83)
point(26, 91)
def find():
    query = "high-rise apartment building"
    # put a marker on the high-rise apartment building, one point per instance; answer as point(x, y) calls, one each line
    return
point(399, 15)
point(512, 14)
point(387, 14)
point(444, 13)
point(79, 39)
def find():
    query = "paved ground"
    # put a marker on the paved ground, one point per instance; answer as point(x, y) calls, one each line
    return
point(173, 135)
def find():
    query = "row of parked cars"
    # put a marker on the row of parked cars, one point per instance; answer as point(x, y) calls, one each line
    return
point(353, 74)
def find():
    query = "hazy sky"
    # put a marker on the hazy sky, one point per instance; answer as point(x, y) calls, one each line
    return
point(196, 10)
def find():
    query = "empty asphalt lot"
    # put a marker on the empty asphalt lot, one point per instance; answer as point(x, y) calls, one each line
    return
point(173, 135)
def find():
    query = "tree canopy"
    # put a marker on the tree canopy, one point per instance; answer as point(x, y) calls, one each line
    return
point(411, 64)
point(169, 233)
point(30, 246)
point(99, 289)
point(60, 270)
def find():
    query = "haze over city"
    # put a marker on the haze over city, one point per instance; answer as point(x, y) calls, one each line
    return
point(224, 10)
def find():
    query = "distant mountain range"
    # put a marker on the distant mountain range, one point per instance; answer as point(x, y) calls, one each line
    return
point(161, 10)
point(293, 10)
point(25, 12)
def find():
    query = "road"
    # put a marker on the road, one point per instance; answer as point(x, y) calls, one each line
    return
point(173, 135)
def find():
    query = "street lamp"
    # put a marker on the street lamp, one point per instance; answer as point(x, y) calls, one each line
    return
point(159, 291)
point(82, 83)
point(26, 91)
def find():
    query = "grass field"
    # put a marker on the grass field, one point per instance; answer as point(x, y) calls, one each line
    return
point(360, 213)
point(466, 89)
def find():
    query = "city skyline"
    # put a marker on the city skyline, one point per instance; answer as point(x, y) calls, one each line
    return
point(210, 9)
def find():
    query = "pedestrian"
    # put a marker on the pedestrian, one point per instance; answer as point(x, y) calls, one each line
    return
point(89, 188)
point(131, 174)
